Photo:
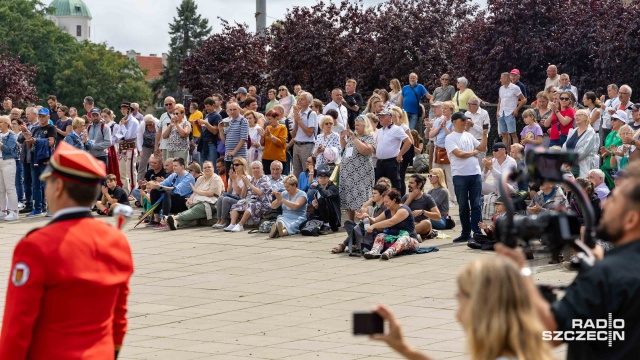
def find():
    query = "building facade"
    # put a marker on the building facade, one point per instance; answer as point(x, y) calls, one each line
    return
point(73, 17)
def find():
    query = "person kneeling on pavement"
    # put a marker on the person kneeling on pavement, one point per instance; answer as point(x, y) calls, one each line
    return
point(488, 239)
point(111, 194)
point(294, 208)
point(326, 203)
point(423, 207)
point(398, 226)
point(176, 189)
point(359, 234)
point(202, 202)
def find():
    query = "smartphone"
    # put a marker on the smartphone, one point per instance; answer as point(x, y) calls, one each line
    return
point(367, 324)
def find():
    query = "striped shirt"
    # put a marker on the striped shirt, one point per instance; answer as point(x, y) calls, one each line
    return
point(237, 130)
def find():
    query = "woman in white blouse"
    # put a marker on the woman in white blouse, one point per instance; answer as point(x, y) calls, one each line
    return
point(255, 151)
point(326, 140)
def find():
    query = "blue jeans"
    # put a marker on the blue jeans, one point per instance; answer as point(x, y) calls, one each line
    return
point(136, 194)
point(19, 181)
point(209, 152)
point(311, 194)
point(469, 194)
point(413, 120)
point(287, 166)
point(439, 224)
point(559, 142)
point(37, 186)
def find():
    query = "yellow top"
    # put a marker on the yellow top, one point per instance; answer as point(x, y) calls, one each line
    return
point(460, 100)
point(197, 115)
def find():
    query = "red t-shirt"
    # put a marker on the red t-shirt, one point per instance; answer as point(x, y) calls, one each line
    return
point(554, 134)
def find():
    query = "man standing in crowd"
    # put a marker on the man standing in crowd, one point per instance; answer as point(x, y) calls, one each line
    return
point(87, 103)
point(208, 145)
point(392, 144)
point(510, 101)
point(421, 204)
point(635, 114)
point(514, 75)
point(27, 157)
point(253, 92)
point(305, 124)
point(610, 289)
point(52, 101)
point(565, 85)
point(612, 103)
point(99, 137)
point(235, 136)
point(7, 105)
point(500, 163)
point(552, 77)
point(410, 99)
point(165, 121)
point(241, 96)
point(135, 107)
point(444, 92)
point(126, 135)
point(462, 149)
point(352, 101)
point(40, 143)
point(67, 293)
point(337, 105)
point(479, 118)
point(624, 100)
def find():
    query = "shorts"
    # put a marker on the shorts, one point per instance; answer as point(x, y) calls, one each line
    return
point(507, 122)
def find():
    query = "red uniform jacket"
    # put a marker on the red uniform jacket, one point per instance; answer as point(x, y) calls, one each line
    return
point(67, 293)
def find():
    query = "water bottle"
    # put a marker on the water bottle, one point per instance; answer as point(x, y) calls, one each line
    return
point(366, 223)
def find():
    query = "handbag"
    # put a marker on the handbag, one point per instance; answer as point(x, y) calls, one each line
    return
point(420, 107)
point(441, 157)
point(449, 223)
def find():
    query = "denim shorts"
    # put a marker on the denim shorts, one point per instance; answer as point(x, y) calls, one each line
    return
point(507, 122)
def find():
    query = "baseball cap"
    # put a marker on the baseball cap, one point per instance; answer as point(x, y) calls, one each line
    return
point(514, 71)
point(323, 172)
point(43, 111)
point(74, 165)
point(241, 90)
point(95, 111)
point(459, 115)
point(635, 107)
point(437, 103)
point(620, 115)
point(385, 112)
point(499, 145)
point(619, 174)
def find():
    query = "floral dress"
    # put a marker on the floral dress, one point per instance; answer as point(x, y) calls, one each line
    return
point(175, 142)
point(332, 140)
point(356, 175)
point(256, 205)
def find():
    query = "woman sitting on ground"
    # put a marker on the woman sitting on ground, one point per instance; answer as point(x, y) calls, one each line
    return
point(294, 209)
point(202, 201)
point(489, 288)
point(256, 200)
point(440, 195)
point(398, 226)
point(235, 192)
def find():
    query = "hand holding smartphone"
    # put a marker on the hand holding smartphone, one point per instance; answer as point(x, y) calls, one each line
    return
point(367, 323)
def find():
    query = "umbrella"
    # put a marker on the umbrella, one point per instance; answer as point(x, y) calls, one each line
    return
point(153, 207)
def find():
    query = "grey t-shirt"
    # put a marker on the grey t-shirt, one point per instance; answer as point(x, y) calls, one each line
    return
point(424, 203)
point(441, 197)
point(440, 94)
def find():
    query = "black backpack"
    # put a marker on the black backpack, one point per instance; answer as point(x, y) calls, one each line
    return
point(311, 228)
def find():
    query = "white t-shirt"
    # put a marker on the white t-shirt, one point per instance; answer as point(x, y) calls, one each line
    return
point(508, 99)
point(390, 140)
point(465, 142)
point(161, 126)
point(480, 118)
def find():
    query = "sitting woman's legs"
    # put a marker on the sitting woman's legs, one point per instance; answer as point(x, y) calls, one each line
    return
point(378, 244)
point(403, 243)
point(194, 213)
point(439, 224)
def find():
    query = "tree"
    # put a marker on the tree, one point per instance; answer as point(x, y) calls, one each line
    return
point(187, 32)
point(578, 36)
point(36, 40)
point(16, 80)
point(234, 57)
point(107, 75)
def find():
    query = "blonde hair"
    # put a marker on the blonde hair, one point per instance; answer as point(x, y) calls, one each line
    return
point(395, 85)
point(500, 316)
point(5, 119)
point(385, 181)
point(285, 89)
point(179, 107)
point(252, 113)
point(529, 113)
point(290, 180)
point(77, 123)
point(625, 128)
point(325, 119)
point(583, 112)
point(399, 116)
point(245, 171)
point(449, 104)
point(439, 173)
point(364, 120)
point(370, 102)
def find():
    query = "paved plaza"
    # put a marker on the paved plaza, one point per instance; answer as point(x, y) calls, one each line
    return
point(200, 293)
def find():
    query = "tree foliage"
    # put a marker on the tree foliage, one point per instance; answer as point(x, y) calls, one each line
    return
point(107, 75)
point(234, 57)
point(594, 41)
point(16, 80)
point(187, 32)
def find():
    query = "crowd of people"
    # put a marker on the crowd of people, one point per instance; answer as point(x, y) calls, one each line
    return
point(233, 161)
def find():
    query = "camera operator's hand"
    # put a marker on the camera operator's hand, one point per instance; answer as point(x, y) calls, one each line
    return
point(517, 255)
point(394, 338)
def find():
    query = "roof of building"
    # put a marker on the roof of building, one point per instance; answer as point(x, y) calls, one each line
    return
point(70, 8)
point(153, 65)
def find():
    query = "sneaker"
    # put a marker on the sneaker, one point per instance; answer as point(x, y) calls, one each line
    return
point(161, 226)
point(171, 221)
point(152, 223)
point(569, 265)
point(12, 216)
point(370, 255)
point(20, 206)
point(325, 230)
point(280, 227)
point(230, 227)
point(386, 255)
point(474, 245)
point(3, 214)
point(48, 214)
point(461, 238)
point(218, 226)
point(273, 232)
point(34, 213)
point(26, 210)
point(237, 228)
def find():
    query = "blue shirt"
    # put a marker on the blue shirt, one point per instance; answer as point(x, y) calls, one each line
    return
point(409, 100)
point(181, 184)
point(441, 136)
point(207, 137)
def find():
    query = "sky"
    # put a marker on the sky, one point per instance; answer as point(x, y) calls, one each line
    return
point(143, 25)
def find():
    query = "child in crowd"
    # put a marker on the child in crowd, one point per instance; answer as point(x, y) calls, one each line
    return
point(112, 194)
point(531, 134)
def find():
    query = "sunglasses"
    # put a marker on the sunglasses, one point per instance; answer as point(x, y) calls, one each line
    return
point(496, 150)
point(237, 164)
point(431, 176)
point(167, 105)
point(564, 99)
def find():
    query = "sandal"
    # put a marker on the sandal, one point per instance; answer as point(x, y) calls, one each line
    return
point(339, 249)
